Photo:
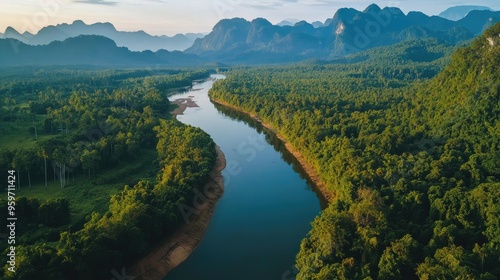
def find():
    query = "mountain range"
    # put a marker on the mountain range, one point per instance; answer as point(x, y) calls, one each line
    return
point(293, 21)
point(135, 41)
point(349, 31)
point(88, 50)
point(238, 41)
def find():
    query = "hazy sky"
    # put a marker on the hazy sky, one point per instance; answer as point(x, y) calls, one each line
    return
point(180, 16)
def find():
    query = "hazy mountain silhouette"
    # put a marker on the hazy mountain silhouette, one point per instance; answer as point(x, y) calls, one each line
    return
point(317, 24)
point(87, 50)
point(348, 31)
point(459, 12)
point(288, 22)
point(237, 40)
point(136, 41)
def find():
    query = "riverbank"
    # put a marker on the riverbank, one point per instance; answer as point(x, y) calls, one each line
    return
point(182, 105)
point(178, 246)
point(309, 169)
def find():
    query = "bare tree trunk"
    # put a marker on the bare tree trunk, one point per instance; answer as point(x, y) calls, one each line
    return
point(60, 177)
point(34, 125)
point(64, 174)
point(29, 178)
point(68, 178)
point(45, 164)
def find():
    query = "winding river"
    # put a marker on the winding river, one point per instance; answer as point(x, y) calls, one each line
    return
point(267, 206)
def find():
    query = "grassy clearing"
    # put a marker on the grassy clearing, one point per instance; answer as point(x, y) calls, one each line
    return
point(16, 135)
point(87, 195)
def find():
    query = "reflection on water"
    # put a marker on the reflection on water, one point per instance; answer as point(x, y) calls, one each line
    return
point(267, 206)
point(278, 145)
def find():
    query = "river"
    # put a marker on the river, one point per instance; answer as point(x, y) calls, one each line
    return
point(267, 206)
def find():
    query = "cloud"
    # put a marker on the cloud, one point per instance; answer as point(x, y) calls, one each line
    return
point(96, 2)
point(270, 4)
point(260, 7)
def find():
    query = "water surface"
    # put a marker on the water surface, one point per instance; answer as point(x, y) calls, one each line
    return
point(267, 206)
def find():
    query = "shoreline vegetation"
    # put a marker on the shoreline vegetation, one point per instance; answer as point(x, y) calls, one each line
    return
point(415, 174)
point(106, 135)
point(310, 170)
point(178, 246)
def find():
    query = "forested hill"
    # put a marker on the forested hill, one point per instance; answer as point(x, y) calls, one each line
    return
point(412, 163)
point(87, 50)
point(135, 41)
point(466, 92)
point(348, 31)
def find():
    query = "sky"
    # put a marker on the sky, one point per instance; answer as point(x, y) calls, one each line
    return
point(169, 17)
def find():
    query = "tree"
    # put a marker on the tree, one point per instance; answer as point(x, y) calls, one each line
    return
point(37, 262)
point(45, 156)
point(447, 263)
point(21, 161)
point(6, 159)
point(34, 125)
point(60, 161)
point(398, 260)
point(328, 244)
point(89, 159)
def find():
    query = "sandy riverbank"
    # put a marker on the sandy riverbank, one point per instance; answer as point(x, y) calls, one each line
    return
point(311, 172)
point(179, 245)
point(183, 104)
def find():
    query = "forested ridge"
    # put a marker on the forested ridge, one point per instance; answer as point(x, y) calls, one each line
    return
point(81, 131)
point(411, 158)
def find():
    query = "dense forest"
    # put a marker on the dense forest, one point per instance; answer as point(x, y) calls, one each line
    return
point(409, 152)
point(70, 135)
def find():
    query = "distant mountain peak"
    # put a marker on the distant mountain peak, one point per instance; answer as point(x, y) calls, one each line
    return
point(78, 22)
point(395, 11)
point(317, 24)
point(302, 23)
point(236, 20)
point(136, 40)
point(103, 41)
point(459, 12)
point(12, 33)
point(11, 30)
point(261, 21)
point(288, 22)
point(345, 13)
point(108, 25)
point(373, 8)
point(349, 31)
point(88, 50)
